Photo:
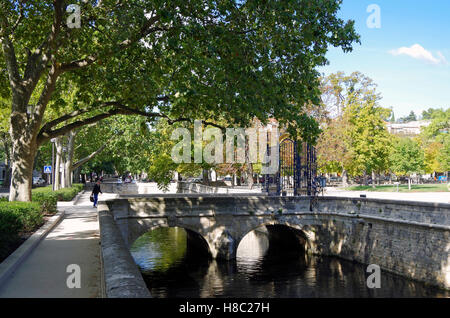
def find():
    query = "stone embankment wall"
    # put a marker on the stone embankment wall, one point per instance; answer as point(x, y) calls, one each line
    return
point(407, 238)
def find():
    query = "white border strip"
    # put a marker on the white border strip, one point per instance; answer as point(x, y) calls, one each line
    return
point(13, 261)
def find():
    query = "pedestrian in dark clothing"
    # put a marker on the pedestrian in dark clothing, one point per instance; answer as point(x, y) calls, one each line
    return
point(95, 192)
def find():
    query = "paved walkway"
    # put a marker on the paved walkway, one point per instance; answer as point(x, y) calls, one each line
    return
point(441, 197)
point(75, 240)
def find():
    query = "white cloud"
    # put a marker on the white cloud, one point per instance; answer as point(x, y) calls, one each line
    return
point(416, 51)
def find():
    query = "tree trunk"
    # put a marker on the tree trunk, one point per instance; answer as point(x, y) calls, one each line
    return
point(250, 175)
point(7, 181)
point(344, 178)
point(205, 177)
point(22, 172)
point(69, 160)
point(58, 147)
point(63, 173)
point(68, 174)
point(373, 179)
point(23, 153)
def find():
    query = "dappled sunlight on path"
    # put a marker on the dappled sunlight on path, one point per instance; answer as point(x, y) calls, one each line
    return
point(75, 240)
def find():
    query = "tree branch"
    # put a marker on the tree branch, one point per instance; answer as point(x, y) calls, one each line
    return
point(145, 30)
point(9, 52)
point(45, 135)
point(120, 109)
point(19, 19)
point(86, 159)
point(47, 126)
point(38, 60)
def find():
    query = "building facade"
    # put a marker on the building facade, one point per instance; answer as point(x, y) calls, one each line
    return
point(412, 128)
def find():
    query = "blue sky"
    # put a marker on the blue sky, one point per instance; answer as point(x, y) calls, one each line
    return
point(408, 57)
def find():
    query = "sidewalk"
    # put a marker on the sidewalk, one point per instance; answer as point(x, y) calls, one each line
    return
point(75, 240)
point(436, 197)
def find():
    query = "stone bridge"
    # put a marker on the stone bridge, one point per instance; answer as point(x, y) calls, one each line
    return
point(407, 238)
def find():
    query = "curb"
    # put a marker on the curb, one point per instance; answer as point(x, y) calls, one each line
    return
point(102, 272)
point(13, 261)
point(77, 197)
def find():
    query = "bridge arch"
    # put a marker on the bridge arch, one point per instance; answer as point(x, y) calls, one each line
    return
point(279, 232)
point(220, 239)
point(196, 242)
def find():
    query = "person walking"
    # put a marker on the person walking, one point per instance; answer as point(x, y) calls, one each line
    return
point(96, 191)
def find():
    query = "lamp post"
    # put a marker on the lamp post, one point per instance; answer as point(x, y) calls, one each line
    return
point(53, 140)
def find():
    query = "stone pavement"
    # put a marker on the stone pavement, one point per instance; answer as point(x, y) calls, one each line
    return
point(75, 240)
point(441, 197)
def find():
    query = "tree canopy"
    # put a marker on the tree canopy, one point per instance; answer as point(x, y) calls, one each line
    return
point(179, 60)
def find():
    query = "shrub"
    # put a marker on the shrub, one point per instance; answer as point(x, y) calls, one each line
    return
point(67, 194)
point(29, 213)
point(16, 217)
point(47, 199)
point(10, 226)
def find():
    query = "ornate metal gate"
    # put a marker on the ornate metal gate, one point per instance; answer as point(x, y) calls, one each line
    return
point(297, 170)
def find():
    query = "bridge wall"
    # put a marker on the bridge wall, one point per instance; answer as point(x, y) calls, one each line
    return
point(138, 188)
point(189, 187)
point(407, 238)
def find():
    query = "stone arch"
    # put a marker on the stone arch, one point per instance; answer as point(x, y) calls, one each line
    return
point(194, 237)
point(299, 229)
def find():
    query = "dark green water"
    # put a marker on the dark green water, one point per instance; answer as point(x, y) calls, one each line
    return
point(170, 269)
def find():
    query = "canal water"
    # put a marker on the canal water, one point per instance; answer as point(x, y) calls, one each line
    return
point(171, 268)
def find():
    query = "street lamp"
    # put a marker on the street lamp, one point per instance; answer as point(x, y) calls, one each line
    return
point(53, 140)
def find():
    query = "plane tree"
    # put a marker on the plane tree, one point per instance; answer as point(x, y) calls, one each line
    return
point(177, 59)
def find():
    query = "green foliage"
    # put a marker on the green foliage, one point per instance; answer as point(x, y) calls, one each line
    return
point(16, 217)
point(435, 140)
point(439, 127)
point(428, 114)
point(29, 213)
point(355, 138)
point(433, 153)
point(409, 118)
point(67, 194)
point(185, 59)
point(369, 140)
point(48, 198)
point(444, 155)
point(407, 157)
point(10, 227)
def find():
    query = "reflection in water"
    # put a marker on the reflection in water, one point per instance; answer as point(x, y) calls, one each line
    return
point(170, 269)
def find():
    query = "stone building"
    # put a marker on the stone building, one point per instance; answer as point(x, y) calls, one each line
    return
point(412, 128)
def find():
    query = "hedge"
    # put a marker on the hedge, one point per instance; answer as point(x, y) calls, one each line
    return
point(16, 217)
point(48, 198)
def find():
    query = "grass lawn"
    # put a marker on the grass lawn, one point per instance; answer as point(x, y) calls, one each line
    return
point(442, 187)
